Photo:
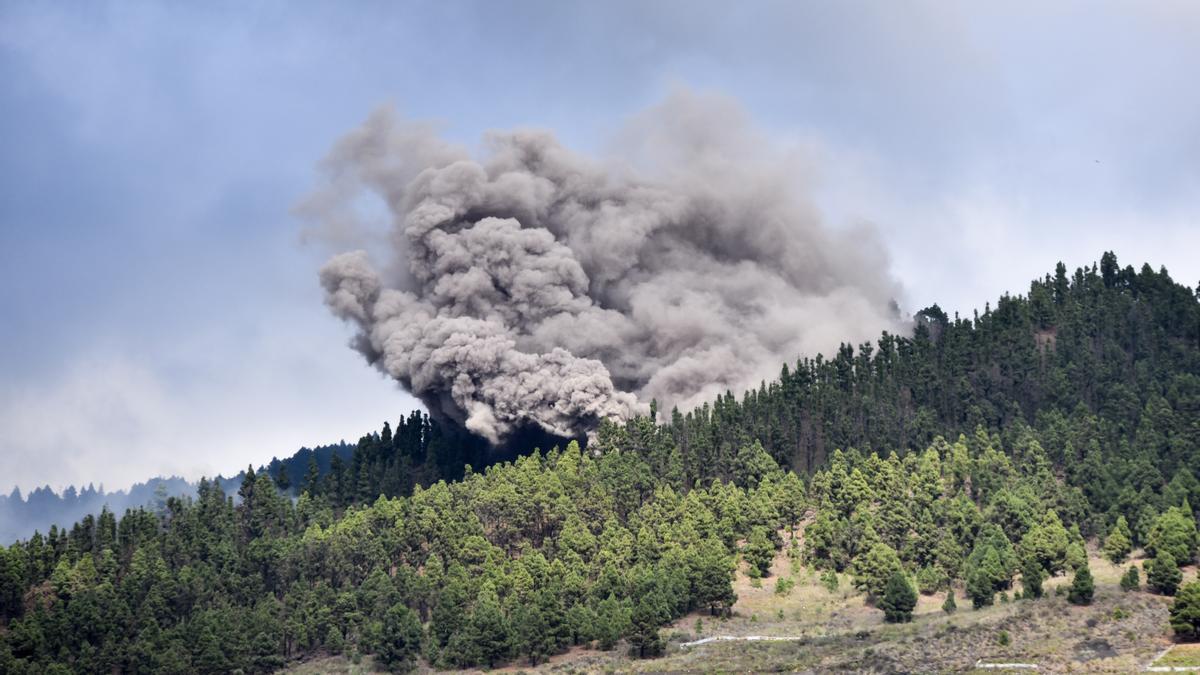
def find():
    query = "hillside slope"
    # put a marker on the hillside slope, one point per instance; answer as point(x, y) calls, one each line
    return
point(976, 456)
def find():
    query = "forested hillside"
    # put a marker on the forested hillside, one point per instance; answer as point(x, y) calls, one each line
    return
point(974, 453)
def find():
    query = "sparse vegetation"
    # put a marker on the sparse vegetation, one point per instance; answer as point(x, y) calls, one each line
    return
point(1131, 580)
point(829, 579)
point(1182, 656)
point(784, 585)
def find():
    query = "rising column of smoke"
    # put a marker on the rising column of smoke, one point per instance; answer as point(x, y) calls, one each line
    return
point(534, 286)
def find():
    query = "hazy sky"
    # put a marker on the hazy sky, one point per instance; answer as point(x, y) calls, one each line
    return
point(159, 313)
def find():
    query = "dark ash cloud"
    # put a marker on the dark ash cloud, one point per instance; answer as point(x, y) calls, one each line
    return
point(535, 286)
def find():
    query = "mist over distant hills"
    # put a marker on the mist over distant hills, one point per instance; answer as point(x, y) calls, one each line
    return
point(23, 514)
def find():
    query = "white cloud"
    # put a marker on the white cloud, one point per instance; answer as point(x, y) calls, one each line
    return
point(118, 417)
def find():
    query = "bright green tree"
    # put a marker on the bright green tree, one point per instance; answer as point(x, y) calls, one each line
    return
point(1118, 544)
point(1175, 533)
point(875, 569)
point(1076, 550)
point(759, 552)
point(931, 579)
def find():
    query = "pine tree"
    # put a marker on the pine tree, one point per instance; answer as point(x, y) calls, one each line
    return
point(400, 639)
point(614, 621)
point(282, 480)
point(1162, 573)
point(1048, 543)
point(335, 485)
point(1185, 612)
point(980, 587)
point(1082, 587)
point(899, 599)
point(1118, 544)
point(1031, 578)
point(949, 606)
point(312, 476)
point(1131, 580)
point(488, 627)
point(334, 641)
point(711, 576)
point(874, 570)
point(829, 579)
point(759, 552)
point(1175, 533)
point(1076, 550)
point(649, 612)
point(246, 491)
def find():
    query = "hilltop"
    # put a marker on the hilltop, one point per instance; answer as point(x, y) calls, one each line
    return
point(977, 457)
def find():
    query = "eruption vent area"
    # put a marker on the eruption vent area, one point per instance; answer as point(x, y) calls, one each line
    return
point(531, 287)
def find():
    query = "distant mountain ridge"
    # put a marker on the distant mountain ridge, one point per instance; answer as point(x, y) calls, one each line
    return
point(22, 515)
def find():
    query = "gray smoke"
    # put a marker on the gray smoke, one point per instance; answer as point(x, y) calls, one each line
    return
point(533, 285)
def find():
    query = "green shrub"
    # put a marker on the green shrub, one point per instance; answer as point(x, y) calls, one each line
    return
point(1082, 587)
point(949, 606)
point(1131, 580)
point(931, 579)
point(829, 579)
point(1162, 574)
point(784, 586)
point(899, 599)
point(1185, 612)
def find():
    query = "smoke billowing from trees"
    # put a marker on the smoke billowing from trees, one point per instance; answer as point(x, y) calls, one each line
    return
point(531, 285)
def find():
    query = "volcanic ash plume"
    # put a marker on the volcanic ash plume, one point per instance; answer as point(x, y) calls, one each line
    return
point(534, 286)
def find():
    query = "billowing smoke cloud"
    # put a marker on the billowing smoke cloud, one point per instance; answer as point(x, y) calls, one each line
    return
point(534, 286)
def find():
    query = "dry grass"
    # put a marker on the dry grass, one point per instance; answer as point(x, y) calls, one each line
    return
point(1119, 633)
point(335, 665)
point(1181, 655)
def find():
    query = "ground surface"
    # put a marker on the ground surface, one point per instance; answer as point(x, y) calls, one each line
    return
point(1181, 655)
point(836, 632)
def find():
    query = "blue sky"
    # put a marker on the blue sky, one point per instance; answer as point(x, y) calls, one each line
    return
point(160, 312)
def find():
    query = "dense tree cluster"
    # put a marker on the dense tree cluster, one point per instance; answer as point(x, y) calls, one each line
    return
point(1103, 366)
point(518, 562)
point(976, 453)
